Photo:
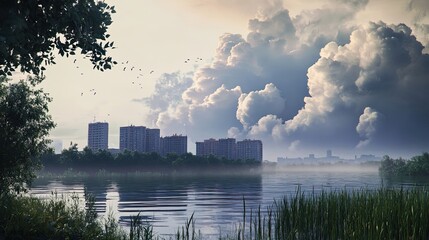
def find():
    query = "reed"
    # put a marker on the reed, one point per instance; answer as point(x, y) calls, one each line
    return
point(358, 214)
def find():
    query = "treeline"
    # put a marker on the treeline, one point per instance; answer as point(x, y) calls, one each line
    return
point(88, 160)
point(416, 166)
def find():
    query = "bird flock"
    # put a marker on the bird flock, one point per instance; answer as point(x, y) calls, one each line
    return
point(126, 66)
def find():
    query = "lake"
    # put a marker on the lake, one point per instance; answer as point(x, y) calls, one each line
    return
point(216, 199)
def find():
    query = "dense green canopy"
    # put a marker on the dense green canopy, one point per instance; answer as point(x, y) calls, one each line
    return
point(24, 124)
point(30, 31)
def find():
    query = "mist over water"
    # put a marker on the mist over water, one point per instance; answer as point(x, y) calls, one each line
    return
point(216, 200)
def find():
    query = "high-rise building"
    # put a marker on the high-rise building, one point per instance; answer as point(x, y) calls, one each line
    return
point(132, 138)
point(227, 148)
point(174, 144)
point(153, 140)
point(249, 149)
point(98, 136)
point(208, 147)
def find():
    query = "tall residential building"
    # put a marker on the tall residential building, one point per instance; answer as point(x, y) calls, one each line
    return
point(153, 140)
point(249, 149)
point(132, 138)
point(208, 147)
point(174, 144)
point(227, 148)
point(98, 136)
point(222, 148)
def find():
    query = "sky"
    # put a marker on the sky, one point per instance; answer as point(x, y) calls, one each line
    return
point(302, 76)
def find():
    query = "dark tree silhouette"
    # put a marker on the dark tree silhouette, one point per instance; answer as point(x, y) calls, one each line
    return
point(24, 124)
point(31, 31)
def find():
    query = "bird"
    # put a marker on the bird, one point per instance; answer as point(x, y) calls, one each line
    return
point(132, 68)
point(152, 71)
point(133, 82)
point(74, 61)
point(95, 93)
point(124, 68)
point(81, 94)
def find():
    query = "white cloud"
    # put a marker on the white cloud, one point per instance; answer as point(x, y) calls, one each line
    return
point(367, 125)
point(317, 71)
point(256, 104)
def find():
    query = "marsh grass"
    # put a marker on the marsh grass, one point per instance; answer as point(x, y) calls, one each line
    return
point(342, 214)
point(357, 214)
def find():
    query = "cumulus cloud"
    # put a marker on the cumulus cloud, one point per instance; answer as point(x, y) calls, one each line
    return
point(256, 104)
point(382, 66)
point(287, 82)
point(367, 125)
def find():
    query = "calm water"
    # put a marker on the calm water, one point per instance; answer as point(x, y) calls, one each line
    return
point(216, 201)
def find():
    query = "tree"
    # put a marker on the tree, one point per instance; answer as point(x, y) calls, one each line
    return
point(24, 125)
point(30, 31)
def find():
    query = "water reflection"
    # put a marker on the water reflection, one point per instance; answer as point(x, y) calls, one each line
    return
point(165, 202)
point(216, 201)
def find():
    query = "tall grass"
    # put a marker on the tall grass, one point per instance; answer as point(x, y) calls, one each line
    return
point(364, 214)
point(358, 214)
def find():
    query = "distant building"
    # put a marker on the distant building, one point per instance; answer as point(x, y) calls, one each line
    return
point(132, 138)
point(98, 136)
point(249, 149)
point(153, 140)
point(328, 153)
point(227, 148)
point(174, 144)
point(207, 148)
point(230, 149)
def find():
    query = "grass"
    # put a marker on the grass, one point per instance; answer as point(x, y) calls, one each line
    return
point(358, 214)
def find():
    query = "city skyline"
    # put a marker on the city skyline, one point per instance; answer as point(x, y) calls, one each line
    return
point(302, 77)
point(143, 139)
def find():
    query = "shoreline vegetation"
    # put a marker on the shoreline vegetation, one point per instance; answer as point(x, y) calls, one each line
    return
point(92, 163)
point(417, 166)
point(358, 214)
point(339, 214)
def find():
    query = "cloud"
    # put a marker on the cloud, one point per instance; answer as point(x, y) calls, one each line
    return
point(420, 7)
point(295, 86)
point(382, 66)
point(367, 126)
point(256, 104)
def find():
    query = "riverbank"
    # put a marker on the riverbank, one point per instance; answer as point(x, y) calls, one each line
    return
point(358, 214)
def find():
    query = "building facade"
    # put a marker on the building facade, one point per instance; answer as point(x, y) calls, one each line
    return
point(132, 138)
point(227, 148)
point(98, 136)
point(153, 140)
point(249, 149)
point(174, 144)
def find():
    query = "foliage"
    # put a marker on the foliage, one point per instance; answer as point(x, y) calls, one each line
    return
point(24, 124)
point(61, 218)
point(358, 214)
point(417, 166)
point(30, 31)
point(87, 160)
